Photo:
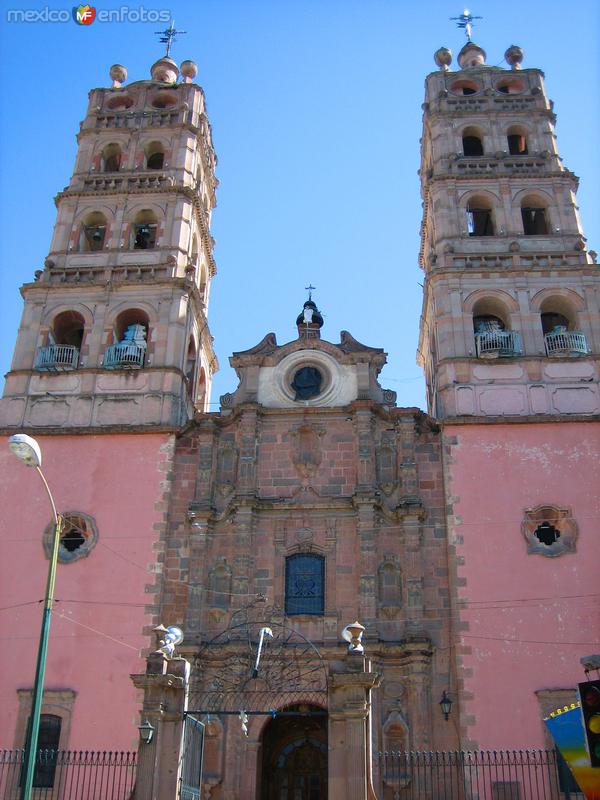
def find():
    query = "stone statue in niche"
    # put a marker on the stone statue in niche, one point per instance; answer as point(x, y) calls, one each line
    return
point(307, 383)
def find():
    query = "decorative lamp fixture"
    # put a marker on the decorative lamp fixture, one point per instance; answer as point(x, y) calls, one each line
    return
point(446, 705)
point(171, 637)
point(25, 449)
point(353, 634)
point(146, 732)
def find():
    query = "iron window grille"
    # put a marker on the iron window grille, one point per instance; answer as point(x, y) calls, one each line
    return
point(305, 584)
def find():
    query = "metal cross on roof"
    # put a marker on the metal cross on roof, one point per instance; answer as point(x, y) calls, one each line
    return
point(168, 37)
point(310, 289)
point(465, 20)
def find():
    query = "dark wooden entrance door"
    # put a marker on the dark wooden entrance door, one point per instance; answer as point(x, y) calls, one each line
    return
point(294, 758)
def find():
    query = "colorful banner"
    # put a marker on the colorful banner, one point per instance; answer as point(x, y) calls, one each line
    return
point(566, 726)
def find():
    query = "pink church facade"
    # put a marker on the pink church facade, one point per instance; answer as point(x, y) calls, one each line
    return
point(104, 601)
point(525, 618)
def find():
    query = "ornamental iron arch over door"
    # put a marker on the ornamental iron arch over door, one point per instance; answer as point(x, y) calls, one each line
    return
point(225, 677)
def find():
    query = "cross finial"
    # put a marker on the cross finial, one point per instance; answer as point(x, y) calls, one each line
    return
point(168, 37)
point(310, 289)
point(465, 20)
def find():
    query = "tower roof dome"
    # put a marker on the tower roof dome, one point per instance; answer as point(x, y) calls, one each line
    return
point(310, 315)
point(164, 70)
point(471, 55)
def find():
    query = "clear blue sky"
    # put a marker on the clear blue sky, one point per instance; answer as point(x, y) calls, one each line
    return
point(316, 113)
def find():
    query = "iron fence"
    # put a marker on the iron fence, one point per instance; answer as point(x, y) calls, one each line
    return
point(70, 775)
point(190, 778)
point(481, 775)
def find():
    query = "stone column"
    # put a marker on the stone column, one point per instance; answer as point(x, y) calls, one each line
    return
point(418, 683)
point(349, 768)
point(414, 570)
point(165, 686)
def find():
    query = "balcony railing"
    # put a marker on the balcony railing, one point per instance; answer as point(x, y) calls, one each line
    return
point(566, 343)
point(70, 775)
point(493, 344)
point(57, 357)
point(124, 356)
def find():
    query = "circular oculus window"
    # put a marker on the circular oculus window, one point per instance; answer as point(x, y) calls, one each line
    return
point(78, 537)
point(307, 383)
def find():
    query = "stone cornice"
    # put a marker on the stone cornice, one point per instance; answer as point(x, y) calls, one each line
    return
point(486, 177)
point(91, 430)
point(528, 419)
point(584, 269)
point(225, 420)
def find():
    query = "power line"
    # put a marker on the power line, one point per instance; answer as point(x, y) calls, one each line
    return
point(99, 633)
point(525, 641)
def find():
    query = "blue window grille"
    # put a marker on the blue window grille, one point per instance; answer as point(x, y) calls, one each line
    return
point(304, 584)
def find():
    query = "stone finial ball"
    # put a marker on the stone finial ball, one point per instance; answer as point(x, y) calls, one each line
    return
point(514, 55)
point(189, 69)
point(118, 73)
point(443, 57)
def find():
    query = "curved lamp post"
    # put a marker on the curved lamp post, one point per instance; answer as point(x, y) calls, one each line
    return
point(27, 450)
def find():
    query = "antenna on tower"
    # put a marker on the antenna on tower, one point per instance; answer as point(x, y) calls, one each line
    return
point(465, 20)
point(168, 37)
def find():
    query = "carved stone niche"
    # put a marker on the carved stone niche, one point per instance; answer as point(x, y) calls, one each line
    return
point(549, 531)
point(306, 452)
point(395, 741)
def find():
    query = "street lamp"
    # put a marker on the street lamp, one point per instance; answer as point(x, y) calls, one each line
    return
point(446, 705)
point(27, 450)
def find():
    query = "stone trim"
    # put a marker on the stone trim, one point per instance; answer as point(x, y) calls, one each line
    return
point(55, 701)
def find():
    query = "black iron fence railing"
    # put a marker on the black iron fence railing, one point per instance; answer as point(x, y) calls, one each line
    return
point(476, 775)
point(70, 775)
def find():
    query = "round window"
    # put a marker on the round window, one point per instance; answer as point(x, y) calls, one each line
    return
point(307, 383)
point(77, 537)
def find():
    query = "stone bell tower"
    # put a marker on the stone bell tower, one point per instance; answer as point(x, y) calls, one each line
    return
point(115, 328)
point(510, 321)
point(113, 357)
point(509, 340)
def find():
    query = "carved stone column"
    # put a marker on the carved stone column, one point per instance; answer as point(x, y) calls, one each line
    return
point(414, 570)
point(204, 476)
point(366, 530)
point(418, 682)
point(349, 728)
point(363, 425)
point(243, 561)
point(165, 686)
point(248, 446)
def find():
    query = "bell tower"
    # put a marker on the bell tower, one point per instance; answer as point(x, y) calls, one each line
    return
point(510, 321)
point(115, 328)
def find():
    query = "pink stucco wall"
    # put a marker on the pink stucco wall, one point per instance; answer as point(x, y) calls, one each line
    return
point(529, 618)
point(96, 635)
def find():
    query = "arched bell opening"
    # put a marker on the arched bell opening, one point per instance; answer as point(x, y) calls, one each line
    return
point(292, 758)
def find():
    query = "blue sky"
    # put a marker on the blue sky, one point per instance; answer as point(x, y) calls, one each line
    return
point(316, 113)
